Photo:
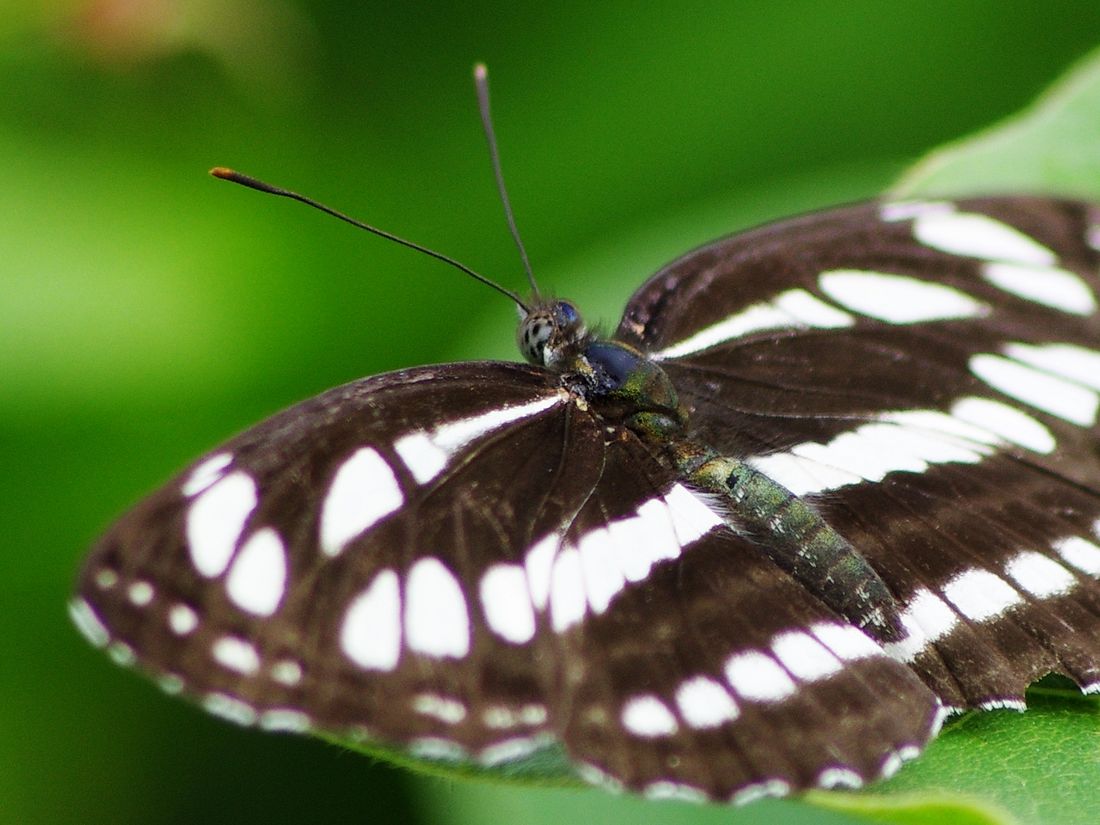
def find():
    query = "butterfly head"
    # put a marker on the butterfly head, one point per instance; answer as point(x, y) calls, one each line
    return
point(551, 334)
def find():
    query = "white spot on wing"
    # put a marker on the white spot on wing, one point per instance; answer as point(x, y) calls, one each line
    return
point(506, 603)
point(140, 593)
point(287, 672)
point(760, 790)
point(443, 708)
point(427, 453)
point(704, 703)
point(648, 716)
point(908, 440)
point(898, 299)
point(501, 717)
point(170, 683)
point(436, 619)
point(423, 458)
point(811, 311)
point(907, 210)
point(934, 421)
point(890, 766)
point(755, 318)
point(1041, 390)
point(1007, 423)
point(1092, 237)
point(595, 776)
point(926, 618)
point(121, 654)
point(538, 563)
point(979, 236)
point(692, 518)
point(371, 633)
point(236, 654)
point(363, 491)
point(206, 474)
point(663, 789)
point(533, 714)
point(285, 720)
point(1047, 285)
point(625, 550)
point(603, 579)
point(662, 543)
point(258, 576)
point(1067, 360)
point(931, 614)
point(1005, 703)
point(804, 657)
point(756, 676)
point(870, 452)
point(923, 440)
point(1081, 553)
point(435, 749)
point(511, 750)
point(182, 619)
point(1040, 576)
point(802, 476)
point(847, 643)
point(795, 308)
point(980, 595)
point(839, 778)
point(633, 541)
point(566, 590)
point(229, 708)
point(87, 621)
point(215, 521)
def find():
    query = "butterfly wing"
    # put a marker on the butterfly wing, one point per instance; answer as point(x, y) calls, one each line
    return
point(926, 373)
point(312, 571)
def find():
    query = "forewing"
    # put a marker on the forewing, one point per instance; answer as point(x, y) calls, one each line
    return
point(927, 373)
point(328, 569)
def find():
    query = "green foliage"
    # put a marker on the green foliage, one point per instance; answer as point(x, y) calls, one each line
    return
point(1049, 147)
point(1042, 765)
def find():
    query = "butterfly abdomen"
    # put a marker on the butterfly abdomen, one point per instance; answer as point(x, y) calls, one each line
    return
point(793, 535)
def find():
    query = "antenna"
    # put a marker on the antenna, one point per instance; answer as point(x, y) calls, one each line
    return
point(259, 185)
point(481, 80)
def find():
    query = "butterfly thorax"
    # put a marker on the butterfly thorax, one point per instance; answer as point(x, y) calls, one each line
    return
point(619, 382)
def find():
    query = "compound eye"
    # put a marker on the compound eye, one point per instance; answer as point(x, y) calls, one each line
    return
point(566, 313)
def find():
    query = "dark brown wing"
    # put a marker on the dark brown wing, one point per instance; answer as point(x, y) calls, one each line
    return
point(928, 374)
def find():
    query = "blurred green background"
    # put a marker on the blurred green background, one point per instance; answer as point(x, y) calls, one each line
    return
point(147, 312)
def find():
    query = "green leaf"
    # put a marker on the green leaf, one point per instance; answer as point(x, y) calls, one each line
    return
point(1052, 146)
point(920, 808)
point(1042, 765)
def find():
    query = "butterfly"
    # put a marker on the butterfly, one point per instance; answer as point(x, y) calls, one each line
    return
point(829, 481)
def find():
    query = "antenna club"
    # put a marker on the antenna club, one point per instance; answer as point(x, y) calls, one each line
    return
point(481, 72)
point(233, 176)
